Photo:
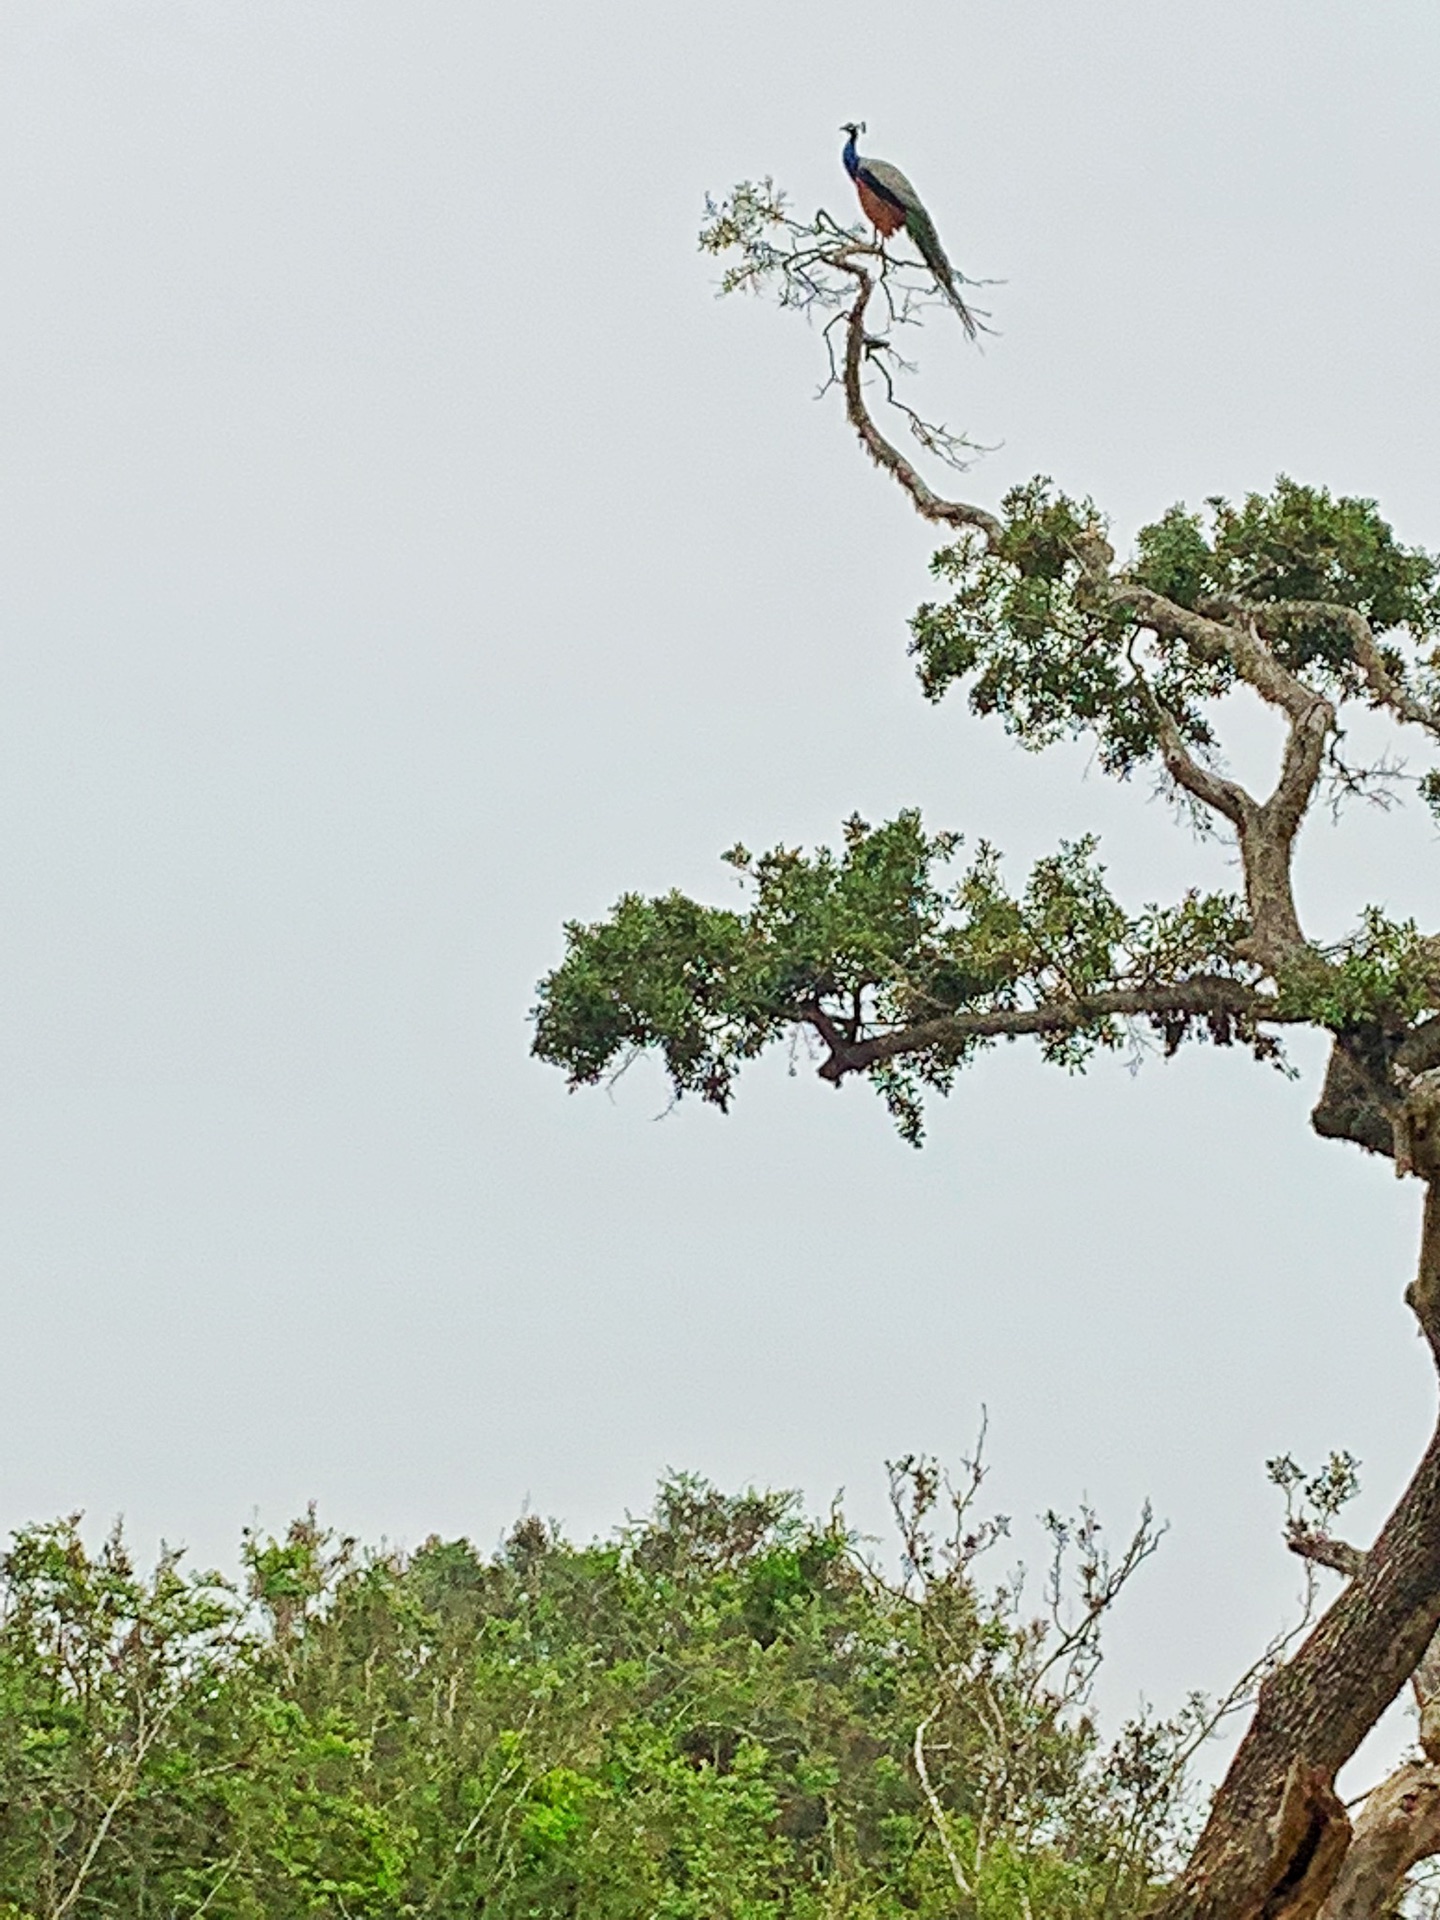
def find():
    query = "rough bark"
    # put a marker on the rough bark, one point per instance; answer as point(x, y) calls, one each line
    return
point(1274, 1843)
point(1201, 996)
point(1399, 1827)
point(1351, 1105)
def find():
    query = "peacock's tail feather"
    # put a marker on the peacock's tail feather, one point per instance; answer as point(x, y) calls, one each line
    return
point(921, 229)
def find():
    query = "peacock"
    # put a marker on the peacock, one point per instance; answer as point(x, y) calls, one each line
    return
point(889, 203)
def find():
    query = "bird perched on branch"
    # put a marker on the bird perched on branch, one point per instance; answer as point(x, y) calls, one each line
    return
point(889, 203)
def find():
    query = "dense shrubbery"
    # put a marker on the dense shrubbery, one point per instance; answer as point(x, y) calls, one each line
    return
point(727, 1713)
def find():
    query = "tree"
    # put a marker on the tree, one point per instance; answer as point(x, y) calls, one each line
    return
point(1304, 601)
point(727, 1712)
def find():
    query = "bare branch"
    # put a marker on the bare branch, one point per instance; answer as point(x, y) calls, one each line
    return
point(1312, 721)
point(124, 1792)
point(1276, 1841)
point(1374, 783)
point(1267, 831)
point(927, 502)
point(1226, 797)
point(1311, 715)
point(937, 1812)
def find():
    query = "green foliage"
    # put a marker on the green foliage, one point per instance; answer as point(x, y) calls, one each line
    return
point(1053, 661)
point(712, 1716)
point(102, 1672)
point(752, 222)
point(665, 973)
point(1297, 544)
point(1040, 650)
point(1383, 977)
point(903, 978)
point(1314, 1500)
point(876, 939)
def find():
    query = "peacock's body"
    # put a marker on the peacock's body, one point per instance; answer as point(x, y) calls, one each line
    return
point(889, 203)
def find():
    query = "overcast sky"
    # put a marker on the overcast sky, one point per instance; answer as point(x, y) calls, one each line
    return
point(404, 552)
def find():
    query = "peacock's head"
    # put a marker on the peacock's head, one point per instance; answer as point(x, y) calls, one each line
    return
point(854, 128)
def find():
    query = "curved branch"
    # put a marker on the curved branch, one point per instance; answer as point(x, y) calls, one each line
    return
point(1230, 627)
point(1310, 727)
point(1276, 1836)
point(1205, 996)
point(1267, 830)
point(1314, 1711)
point(1383, 685)
point(927, 503)
point(937, 1812)
point(1222, 796)
point(1399, 1827)
point(1236, 638)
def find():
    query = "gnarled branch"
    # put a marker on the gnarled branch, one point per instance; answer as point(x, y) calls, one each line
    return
point(1205, 996)
point(927, 503)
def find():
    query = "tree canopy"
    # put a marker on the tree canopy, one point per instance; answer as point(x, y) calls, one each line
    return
point(728, 1711)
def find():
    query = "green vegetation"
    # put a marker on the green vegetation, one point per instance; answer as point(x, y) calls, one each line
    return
point(877, 939)
point(906, 975)
point(1304, 605)
point(726, 1713)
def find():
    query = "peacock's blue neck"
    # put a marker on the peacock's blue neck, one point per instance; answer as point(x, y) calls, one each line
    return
point(851, 158)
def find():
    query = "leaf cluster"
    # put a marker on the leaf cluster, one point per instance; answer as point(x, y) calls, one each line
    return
point(872, 940)
point(1383, 977)
point(1055, 657)
point(1041, 649)
point(1297, 548)
point(752, 222)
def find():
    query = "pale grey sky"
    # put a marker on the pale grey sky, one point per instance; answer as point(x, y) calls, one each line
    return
point(404, 552)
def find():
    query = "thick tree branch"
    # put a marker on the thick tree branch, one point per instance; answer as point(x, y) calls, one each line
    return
point(1399, 1827)
point(1422, 1296)
point(1343, 1558)
point(1400, 1824)
point(1310, 727)
point(1375, 1092)
point(1222, 796)
point(1385, 688)
point(1427, 1698)
point(1266, 830)
point(1204, 996)
point(1278, 1845)
point(1419, 1051)
point(1355, 1103)
point(1220, 629)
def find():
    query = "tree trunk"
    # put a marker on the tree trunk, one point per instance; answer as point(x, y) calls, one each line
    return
point(1277, 1836)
